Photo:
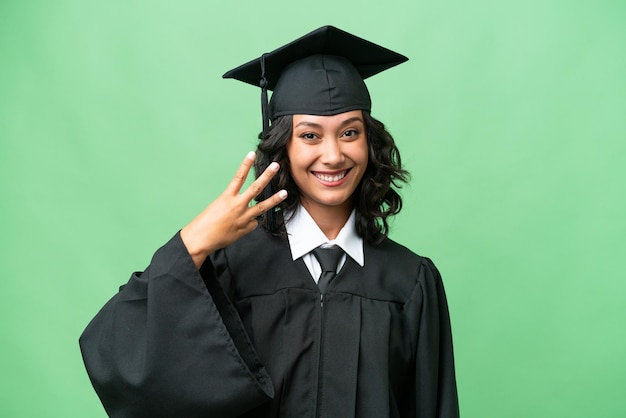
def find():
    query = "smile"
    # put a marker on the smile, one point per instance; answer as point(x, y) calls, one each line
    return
point(330, 178)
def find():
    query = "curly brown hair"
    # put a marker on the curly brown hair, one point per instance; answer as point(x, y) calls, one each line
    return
point(376, 197)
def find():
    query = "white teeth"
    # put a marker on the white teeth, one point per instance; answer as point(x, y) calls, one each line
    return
point(329, 178)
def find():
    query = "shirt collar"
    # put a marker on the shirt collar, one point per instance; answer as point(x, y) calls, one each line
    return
point(304, 236)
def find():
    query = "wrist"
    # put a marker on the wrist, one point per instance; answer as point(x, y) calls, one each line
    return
point(194, 247)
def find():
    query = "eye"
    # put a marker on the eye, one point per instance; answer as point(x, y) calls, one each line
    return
point(308, 136)
point(351, 133)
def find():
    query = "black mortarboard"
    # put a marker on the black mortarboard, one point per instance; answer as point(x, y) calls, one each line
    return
point(320, 73)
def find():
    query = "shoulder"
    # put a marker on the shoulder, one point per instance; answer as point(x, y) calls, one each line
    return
point(397, 255)
point(402, 271)
point(257, 240)
point(259, 246)
point(390, 248)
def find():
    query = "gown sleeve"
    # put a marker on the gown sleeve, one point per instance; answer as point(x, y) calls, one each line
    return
point(435, 381)
point(171, 344)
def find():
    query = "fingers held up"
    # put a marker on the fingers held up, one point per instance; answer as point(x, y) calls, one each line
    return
point(230, 216)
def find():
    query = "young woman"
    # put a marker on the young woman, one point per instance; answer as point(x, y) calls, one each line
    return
point(314, 313)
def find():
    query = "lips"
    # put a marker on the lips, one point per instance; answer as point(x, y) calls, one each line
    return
point(331, 177)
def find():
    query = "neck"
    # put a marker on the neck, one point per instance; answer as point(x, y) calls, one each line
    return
point(330, 219)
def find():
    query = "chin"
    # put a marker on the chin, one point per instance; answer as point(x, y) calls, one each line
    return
point(333, 202)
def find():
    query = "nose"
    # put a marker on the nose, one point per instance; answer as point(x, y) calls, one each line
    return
point(331, 152)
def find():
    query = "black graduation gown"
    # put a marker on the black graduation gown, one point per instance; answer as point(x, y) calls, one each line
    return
point(248, 336)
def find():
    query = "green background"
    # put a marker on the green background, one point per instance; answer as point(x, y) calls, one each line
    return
point(116, 129)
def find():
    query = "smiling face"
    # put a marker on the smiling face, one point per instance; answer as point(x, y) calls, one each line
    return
point(328, 156)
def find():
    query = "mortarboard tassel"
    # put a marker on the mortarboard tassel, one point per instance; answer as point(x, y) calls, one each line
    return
point(270, 216)
point(264, 103)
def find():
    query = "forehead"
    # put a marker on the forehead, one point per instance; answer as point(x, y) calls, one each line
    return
point(354, 116)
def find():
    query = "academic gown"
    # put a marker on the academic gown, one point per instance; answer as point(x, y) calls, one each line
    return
point(250, 335)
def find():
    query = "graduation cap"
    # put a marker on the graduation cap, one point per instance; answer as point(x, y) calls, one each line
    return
point(320, 73)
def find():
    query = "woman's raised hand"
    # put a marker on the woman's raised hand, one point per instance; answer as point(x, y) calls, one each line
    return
point(230, 216)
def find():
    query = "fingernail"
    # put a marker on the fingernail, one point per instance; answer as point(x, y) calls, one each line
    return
point(282, 194)
point(273, 166)
point(251, 155)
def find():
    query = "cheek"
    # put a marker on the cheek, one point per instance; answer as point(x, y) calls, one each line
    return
point(300, 157)
point(361, 155)
point(295, 163)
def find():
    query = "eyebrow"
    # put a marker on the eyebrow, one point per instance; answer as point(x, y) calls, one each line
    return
point(317, 125)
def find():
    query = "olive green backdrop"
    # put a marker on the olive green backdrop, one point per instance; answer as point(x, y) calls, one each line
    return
point(116, 129)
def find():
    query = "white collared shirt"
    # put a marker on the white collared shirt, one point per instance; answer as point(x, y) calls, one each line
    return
point(304, 236)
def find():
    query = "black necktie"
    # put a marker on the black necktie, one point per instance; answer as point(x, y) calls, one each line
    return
point(328, 259)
